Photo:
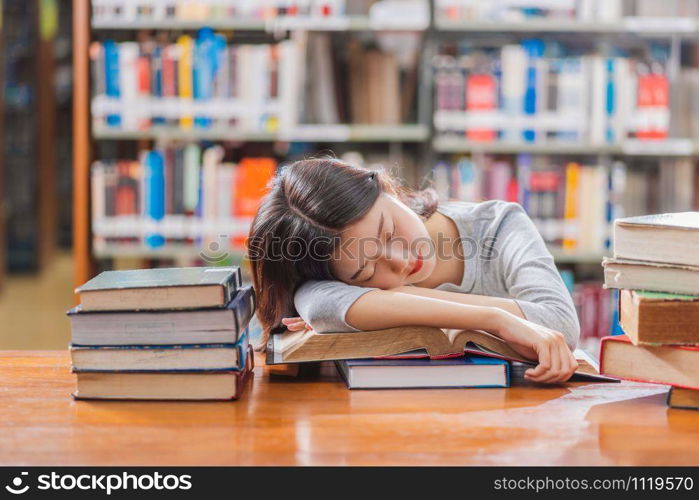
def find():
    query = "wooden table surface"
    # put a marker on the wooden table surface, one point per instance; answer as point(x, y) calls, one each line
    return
point(318, 421)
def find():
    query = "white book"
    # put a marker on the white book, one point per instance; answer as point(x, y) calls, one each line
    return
point(128, 84)
point(514, 67)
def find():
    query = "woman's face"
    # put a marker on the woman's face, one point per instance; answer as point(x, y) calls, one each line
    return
point(388, 247)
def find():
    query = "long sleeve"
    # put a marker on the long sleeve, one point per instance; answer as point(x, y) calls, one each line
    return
point(531, 277)
point(324, 304)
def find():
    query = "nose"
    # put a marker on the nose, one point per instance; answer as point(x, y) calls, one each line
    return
point(397, 260)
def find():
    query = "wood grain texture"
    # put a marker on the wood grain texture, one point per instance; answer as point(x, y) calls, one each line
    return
point(82, 141)
point(318, 421)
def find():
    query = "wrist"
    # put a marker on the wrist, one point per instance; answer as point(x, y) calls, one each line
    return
point(496, 320)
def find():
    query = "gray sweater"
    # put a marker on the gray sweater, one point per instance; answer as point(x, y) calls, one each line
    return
point(505, 257)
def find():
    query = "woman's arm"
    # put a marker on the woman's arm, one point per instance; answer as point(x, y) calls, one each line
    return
point(380, 309)
point(505, 304)
point(333, 306)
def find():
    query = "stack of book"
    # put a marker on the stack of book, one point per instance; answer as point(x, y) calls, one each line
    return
point(656, 268)
point(412, 357)
point(163, 334)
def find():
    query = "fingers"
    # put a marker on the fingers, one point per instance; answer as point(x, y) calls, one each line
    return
point(556, 363)
point(295, 324)
point(542, 368)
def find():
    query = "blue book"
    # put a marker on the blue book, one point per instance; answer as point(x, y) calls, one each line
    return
point(157, 79)
point(204, 67)
point(421, 373)
point(111, 78)
point(148, 358)
point(610, 92)
point(154, 194)
point(535, 50)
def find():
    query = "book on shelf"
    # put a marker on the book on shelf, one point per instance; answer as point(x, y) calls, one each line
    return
point(687, 399)
point(572, 205)
point(124, 11)
point(646, 275)
point(196, 82)
point(208, 82)
point(164, 385)
point(542, 91)
point(151, 289)
point(675, 365)
point(464, 371)
point(199, 326)
point(179, 194)
point(659, 318)
point(142, 358)
point(662, 238)
point(400, 343)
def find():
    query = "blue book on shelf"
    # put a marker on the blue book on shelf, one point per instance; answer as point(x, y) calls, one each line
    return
point(111, 78)
point(154, 194)
point(157, 80)
point(609, 101)
point(409, 373)
point(204, 67)
point(150, 358)
point(535, 50)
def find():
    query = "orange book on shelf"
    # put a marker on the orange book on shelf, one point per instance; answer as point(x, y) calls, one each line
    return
point(249, 186)
point(251, 179)
point(570, 207)
point(184, 76)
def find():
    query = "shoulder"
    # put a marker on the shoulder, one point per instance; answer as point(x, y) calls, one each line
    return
point(328, 289)
point(484, 217)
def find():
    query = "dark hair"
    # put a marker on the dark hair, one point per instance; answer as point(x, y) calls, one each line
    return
point(312, 201)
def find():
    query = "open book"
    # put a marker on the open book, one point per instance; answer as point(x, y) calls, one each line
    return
point(402, 342)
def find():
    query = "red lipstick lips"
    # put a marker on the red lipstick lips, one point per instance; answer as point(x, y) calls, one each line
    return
point(418, 265)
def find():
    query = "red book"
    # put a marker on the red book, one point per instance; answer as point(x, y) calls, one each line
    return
point(674, 365)
point(481, 95)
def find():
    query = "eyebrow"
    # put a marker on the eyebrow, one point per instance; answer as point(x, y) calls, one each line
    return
point(378, 236)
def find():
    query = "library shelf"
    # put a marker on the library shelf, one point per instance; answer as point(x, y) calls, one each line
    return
point(630, 147)
point(304, 133)
point(643, 27)
point(338, 23)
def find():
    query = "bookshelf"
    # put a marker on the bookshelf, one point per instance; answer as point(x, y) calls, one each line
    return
point(430, 145)
point(3, 209)
point(28, 198)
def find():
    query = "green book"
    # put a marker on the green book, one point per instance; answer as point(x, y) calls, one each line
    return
point(162, 288)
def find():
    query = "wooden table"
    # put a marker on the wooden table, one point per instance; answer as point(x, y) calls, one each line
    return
point(319, 421)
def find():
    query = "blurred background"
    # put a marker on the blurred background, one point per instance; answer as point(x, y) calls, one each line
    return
point(142, 133)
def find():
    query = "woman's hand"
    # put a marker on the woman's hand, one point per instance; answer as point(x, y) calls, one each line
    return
point(533, 341)
point(295, 324)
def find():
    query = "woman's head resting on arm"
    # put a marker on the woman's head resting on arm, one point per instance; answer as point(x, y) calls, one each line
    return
point(324, 219)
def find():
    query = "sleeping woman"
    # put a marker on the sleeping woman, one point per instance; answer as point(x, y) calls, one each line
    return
point(340, 248)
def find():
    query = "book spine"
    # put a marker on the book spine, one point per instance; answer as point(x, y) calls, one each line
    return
point(154, 195)
point(184, 79)
point(111, 79)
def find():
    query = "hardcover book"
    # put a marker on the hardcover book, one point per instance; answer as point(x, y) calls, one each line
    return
point(191, 357)
point(404, 342)
point(201, 326)
point(463, 371)
point(198, 386)
point(671, 238)
point(687, 399)
point(658, 364)
point(659, 318)
point(656, 276)
point(150, 289)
